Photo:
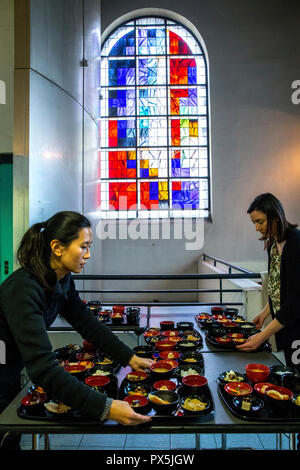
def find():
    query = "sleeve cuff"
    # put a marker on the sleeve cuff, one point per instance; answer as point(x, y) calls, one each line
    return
point(106, 409)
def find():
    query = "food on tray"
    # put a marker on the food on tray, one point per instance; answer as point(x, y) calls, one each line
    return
point(135, 403)
point(223, 339)
point(190, 359)
point(263, 388)
point(75, 368)
point(193, 404)
point(37, 396)
point(138, 391)
point(57, 408)
point(171, 355)
point(134, 377)
point(87, 364)
point(192, 338)
point(232, 376)
point(297, 401)
point(106, 360)
point(158, 401)
point(238, 389)
point(172, 362)
point(160, 369)
point(184, 373)
point(246, 404)
point(239, 340)
point(101, 372)
point(257, 370)
point(277, 395)
point(85, 356)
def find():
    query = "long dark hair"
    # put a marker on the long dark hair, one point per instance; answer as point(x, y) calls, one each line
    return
point(34, 251)
point(277, 225)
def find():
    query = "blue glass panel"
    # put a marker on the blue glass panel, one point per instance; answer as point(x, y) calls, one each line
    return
point(121, 102)
point(153, 190)
point(144, 172)
point(152, 71)
point(121, 72)
point(185, 172)
point(124, 46)
point(192, 76)
point(151, 41)
point(131, 163)
point(176, 163)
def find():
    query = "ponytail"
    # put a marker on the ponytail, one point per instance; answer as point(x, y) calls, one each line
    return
point(34, 250)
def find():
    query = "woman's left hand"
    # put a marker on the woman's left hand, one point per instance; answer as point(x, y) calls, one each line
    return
point(252, 343)
point(139, 363)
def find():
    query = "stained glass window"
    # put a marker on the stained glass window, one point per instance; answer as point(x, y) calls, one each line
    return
point(154, 155)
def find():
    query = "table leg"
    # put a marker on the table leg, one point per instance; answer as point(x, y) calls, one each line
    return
point(46, 442)
point(35, 441)
point(278, 441)
point(223, 441)
point(293, 441)
point(197, 437)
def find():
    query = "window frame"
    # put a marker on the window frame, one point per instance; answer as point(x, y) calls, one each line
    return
point(168, 146)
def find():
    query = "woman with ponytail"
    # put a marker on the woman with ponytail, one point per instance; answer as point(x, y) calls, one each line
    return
point(30, 300)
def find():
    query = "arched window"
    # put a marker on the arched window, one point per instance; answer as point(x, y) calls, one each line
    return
point(154, 159)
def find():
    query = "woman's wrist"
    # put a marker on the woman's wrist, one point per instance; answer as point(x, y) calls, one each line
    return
point(106, 410)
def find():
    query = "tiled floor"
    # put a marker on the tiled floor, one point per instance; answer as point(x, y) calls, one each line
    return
point(155, 441)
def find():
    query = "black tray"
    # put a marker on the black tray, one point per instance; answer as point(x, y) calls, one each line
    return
point(266, 347)
point(179, 412)
point(265, 414)
point(45, 415)
point(193, 331)
point(116, 324)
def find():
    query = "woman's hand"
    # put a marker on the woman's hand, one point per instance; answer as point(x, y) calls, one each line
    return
point(252, 343)
point(139, 363)
point(122, 413)
point(259, 320)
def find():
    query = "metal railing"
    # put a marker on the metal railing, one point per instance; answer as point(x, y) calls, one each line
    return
point(243, 274)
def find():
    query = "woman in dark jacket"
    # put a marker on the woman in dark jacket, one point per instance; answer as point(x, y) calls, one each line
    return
point(30, 300)
point(282, 241)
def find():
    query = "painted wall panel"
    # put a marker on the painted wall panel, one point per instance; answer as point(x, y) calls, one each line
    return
point(55, 149)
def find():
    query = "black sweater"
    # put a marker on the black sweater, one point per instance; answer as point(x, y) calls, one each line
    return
point(26, 311)
point(289, 312)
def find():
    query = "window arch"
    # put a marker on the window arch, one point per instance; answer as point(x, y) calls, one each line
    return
point(154, 159)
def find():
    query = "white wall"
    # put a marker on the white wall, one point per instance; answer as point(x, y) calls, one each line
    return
point(253, 49)
point(56, 109)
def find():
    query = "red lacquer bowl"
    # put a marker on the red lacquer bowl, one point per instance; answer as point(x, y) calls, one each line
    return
point(238, 389)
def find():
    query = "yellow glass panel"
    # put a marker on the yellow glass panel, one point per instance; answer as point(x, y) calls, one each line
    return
point(162, 186)
point(163, 195)
point(131, 155)
point(144, 163)
point(193, 128)
point(153, 172)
